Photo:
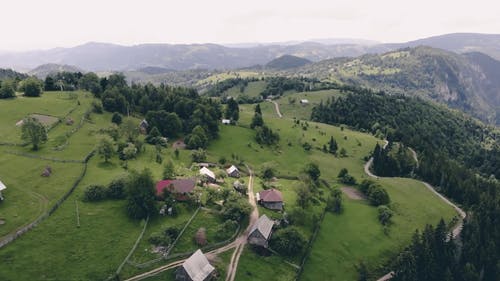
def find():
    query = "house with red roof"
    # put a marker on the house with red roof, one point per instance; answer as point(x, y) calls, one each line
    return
point(271, 199)
point(180, 187)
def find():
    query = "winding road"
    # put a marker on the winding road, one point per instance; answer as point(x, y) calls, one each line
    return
point(455, 231)
point(277, 107)
point(239, 243)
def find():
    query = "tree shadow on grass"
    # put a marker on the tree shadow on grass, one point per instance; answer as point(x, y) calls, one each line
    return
point(107, 165)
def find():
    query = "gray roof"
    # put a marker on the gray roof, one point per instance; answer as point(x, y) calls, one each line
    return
point(197, 266)
point(2, 186)
point(264, 225)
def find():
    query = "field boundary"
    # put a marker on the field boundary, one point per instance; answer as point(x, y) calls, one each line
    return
point(11, 237)
point(53, 159)
point(133, 247)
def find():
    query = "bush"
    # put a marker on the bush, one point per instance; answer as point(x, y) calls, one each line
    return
point(226, 229)
point(375, 193)
point(236, 210)
point(97, 107)
point(94, 193)
point(288, 241)
point(116, 189)
point(158, 239)
point(32, 87)
point(345, 177)
point(334, 203)
point(384, 214)
point(199, 155)
point(116, 118)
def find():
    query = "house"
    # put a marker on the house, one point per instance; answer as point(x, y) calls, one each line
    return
point(226, 121)
point(180, 187)
point(304, 101)
point(233, 172)
point(143, 126)
point(271, 199)
point(195, 268)
point(2, 187)
point(208, 174)
point(261, 232)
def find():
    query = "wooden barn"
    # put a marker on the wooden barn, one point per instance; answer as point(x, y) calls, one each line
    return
point(261, 232)
point(233, 171)
point(195, 268)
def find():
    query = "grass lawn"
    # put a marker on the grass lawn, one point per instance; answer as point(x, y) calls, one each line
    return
point(253, 89)
point(299, 111)
point(271, 268)
point(28, 194)
point(56, 104)
point(356, 235)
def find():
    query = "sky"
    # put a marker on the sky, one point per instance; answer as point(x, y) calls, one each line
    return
point(36, 24)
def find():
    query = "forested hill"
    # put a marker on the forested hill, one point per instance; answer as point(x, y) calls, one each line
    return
point(10, 74)
point(287, 61)
point(465, 82)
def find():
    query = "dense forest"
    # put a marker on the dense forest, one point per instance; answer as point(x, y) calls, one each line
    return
point(458, 155)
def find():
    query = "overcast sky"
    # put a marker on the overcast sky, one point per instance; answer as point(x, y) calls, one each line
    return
point(37, 24)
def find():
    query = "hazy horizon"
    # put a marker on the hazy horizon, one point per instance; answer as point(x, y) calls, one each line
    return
point(37, 25)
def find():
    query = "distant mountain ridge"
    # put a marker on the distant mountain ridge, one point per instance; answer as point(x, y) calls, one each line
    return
point(287, 61)
point(468, 82)
point(45, 70)
point(111, 57)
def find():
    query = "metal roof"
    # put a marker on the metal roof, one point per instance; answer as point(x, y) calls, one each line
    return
point(197, 266)
point(264, 225)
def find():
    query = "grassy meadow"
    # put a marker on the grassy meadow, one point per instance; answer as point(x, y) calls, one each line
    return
point(59, 249)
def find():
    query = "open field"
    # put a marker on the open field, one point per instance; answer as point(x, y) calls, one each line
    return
point(95, 249)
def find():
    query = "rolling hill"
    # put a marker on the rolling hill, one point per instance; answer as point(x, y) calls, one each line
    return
point(465, 82)
point(287, 61)
point(45, 70)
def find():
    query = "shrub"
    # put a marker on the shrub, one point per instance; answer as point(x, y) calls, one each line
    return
point(384, 214)
point(224, 230)
point(288, 241)
point(97, 107)
point(116, 189)
point(236, 210)
point(94, 193)
point(345, 177)
point(116, 118)
point(375, 193)
point(334, 203)
point(158, 239)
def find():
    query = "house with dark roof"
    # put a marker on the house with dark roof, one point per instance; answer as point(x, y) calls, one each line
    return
point(261, 232)
point(195, 268)
point(180, 187)
point(271, 199)
point(233, 172)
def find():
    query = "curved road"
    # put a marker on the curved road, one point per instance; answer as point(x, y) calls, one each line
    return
point(239, 243)
point(456, 230)
point(277, 107)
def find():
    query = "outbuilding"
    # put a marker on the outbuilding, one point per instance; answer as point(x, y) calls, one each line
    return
point(208, 174)
point(261, 232)
point(2, 187)
point(195, 268)
point(233, 171)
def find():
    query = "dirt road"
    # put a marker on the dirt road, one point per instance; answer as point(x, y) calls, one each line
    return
point(277, 107)
point(242, 239)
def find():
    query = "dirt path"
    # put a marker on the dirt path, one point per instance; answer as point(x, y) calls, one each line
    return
point(239, 244)
point(353, 193)
point(454, 232)
point(277, 107)
point(242, 239)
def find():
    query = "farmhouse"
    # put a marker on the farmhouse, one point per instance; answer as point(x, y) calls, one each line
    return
point(208, 174)
point(2, 187)
point(304, 101)
point(195, 268)
point(143, 126)
point(233, 172)
point(180, 187)
point(261, 232)
point(271, 199)
point(226, 121)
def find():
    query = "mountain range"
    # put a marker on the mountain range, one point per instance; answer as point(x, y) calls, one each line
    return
point(111, 57)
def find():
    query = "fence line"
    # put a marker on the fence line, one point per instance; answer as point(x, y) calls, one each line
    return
point(24, 229)
point(53, 159)
point(133, 248)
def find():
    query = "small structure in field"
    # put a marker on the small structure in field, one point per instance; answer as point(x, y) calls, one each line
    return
point(69, 121)
point(233, 172)
point(240, 187)
point(179, 144)
point(195, 268)
point(261, 232)
point(2, 187)
point(47, 171)
point(271, 199)
point(201, 237)
point(209, 175)
point(304, 101)
point(181, 187)
point(226, 121)
point(143, 126)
